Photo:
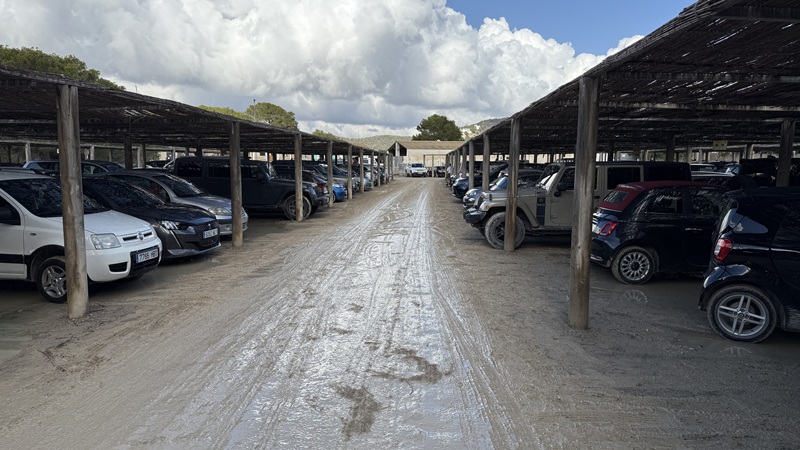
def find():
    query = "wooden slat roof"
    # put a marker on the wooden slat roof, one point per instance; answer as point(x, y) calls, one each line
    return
point(28, 111)
point(721, 70)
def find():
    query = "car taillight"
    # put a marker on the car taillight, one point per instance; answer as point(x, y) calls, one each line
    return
point(722, 248)
point(607, 228)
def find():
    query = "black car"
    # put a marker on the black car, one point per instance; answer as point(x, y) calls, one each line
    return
point(184, 230)
point(752, 285)
point(643, 228)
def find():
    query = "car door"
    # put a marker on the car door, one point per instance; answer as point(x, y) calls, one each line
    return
point(12, 261)
point(561, 204)
point(786, 253)
point(705, 205)
point(661, 226)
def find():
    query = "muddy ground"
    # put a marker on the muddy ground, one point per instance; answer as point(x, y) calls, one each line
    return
point(385, 322)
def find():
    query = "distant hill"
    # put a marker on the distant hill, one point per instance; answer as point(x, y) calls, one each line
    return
point(470, 131)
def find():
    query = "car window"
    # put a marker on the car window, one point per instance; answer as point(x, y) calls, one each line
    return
point(788, 236)
point(42, 196)
point(707, 202)
point(620, 175)
point(148, 185)
point(221, 169)
point(124, 195)
point(189, 169)
point(179, 186)
point(668, 201)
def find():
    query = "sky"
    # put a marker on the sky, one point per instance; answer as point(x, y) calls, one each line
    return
point(354, 68)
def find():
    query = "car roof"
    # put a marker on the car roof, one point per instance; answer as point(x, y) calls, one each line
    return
point(634, 190)
point(17, 174)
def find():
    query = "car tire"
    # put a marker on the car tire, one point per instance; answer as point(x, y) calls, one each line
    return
point(742, 313)
point(634, 265)
point(289, 207)
point(51, 279)
point(495, 229)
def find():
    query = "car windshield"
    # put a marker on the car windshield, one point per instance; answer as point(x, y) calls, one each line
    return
point(124, 195)
point(181, 187)
point(548, 176)
point(110, 166)
point(42, 196)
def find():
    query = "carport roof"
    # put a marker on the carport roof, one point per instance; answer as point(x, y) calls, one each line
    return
point(721, 70)
point(28, 111)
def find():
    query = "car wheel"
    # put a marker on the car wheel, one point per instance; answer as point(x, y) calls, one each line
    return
point(51, 279)
point(495, 231)
point(289, 208)
point(633, 265)
point(742, 313)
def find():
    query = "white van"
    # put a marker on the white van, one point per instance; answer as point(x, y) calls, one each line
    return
point(32, 237)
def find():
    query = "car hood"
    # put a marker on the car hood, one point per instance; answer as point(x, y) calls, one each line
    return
point(207, 201)
point(110, 222)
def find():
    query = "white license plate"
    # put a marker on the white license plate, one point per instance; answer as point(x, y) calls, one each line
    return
point(146, 255)
point(210, 233)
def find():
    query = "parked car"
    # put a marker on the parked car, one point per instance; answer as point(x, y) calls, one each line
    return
point(764, 171)
point(752, 284)
point(184, 230)
point(640, 229)
point(525, 179)
point(546, 208)
point(32, 237)
point(438, 171)
point(416, 170)
point(88, 167)
point(311, 177)
point(175, 190)
point(262, 190)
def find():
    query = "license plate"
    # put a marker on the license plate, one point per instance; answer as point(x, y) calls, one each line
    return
point(146, 255)
point(210, 233)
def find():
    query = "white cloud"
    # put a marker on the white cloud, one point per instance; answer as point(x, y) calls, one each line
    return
point(343, 66)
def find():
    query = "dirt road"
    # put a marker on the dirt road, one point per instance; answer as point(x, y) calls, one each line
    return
point(385, 322)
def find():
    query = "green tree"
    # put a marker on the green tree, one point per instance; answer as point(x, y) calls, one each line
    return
point(67, 66)
point(271, 114)
point(227, 111)
point(325, 135)
point(437, 128)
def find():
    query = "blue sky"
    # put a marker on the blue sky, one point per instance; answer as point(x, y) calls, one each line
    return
point(592, 26)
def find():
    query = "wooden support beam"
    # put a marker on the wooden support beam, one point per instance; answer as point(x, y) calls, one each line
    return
point(361, 169)
point(514, 147)
point(298, 177)
point(585, 154)
point(128, 153)
point(72, 200)
point(670, 151)
point(785, 153)
point(486, 162)
point(237, 231)
point(329, 165)
point(349, 172)
point(471, 149)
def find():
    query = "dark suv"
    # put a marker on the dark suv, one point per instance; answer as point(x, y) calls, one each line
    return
point(640, 229)
point(752, 284)
point(262, 190)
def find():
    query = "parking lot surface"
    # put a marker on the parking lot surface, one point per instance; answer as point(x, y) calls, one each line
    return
point(385, 322)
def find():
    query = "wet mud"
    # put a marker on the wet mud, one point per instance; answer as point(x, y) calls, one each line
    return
point(385, 322)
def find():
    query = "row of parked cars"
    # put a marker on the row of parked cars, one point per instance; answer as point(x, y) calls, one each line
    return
point(654, 219)
point(135, 219)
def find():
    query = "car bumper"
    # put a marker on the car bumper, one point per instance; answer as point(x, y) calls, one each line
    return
point(601, 253)
point(473, 215)
point(115, 264)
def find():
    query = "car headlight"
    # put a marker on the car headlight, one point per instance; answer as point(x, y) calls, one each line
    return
point(170, 224)
point(104, 241)
point(219, 211)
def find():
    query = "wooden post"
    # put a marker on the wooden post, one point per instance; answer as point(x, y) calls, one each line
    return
point(72, 199)
point(349, 172)
point(28, 154)
point(670, 152)
point(298, 177)
point(585, 154)
point(361, 169)
point(785, 152)
point(237, 228)
point(486, 156)
point(748, 152)
point(512, 188)
point(128, 153)
point(329, 159)
point(471, 164)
